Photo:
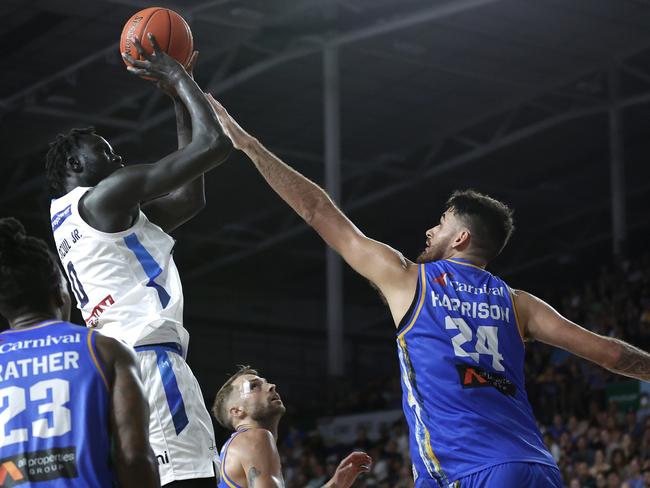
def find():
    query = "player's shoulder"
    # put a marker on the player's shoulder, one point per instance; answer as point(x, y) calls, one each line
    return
point(111, 350)
point(254, 439)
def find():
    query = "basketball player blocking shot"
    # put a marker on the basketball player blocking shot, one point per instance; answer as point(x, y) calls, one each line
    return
point(460, 333)
point(110, 224)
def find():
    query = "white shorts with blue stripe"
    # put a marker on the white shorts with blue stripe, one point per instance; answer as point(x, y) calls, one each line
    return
point(180, 429)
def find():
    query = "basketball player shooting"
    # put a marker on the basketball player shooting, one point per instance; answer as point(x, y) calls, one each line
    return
point(460, 333)
point(252, 408)
point(109, 223)
point(73, 410)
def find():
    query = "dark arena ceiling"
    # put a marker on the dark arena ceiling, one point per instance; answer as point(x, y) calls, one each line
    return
point(510, 97)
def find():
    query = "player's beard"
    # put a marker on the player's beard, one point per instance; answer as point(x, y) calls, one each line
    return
point(270, 412)
point(434, 252)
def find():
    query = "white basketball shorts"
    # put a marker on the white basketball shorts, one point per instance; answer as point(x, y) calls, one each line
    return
point(180, 429)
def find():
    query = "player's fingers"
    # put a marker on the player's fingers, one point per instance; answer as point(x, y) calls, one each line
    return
point(138, 63)
point(142, 72)
point(357, 457)
point(217, 106)
point(156, 48)
point(192, 62)
point(138, 47)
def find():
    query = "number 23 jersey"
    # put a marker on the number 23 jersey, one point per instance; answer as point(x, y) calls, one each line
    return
point(462, 372)
point(125, 283)
point(55, 402)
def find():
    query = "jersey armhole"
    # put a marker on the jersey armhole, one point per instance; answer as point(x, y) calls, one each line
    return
point(409, 313)
point(92, 348)
point(135, 225)
point(522, 333)
point(222, 468)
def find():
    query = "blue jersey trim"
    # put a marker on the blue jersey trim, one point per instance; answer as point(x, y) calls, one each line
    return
point(224, 476)
point(92, 348)
point(149, 265)
point(172, 392)
point(163, 346)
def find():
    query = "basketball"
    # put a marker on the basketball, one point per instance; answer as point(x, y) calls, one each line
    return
point(170, 30)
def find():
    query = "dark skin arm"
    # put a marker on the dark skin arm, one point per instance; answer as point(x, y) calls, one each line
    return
point(135, 463)
point(113, 205)
point(174, 209)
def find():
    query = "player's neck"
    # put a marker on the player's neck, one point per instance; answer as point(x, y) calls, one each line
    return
point(472, 259)
point(270, 425)
point(30, 319)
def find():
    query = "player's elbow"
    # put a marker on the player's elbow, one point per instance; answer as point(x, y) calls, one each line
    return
point(216, 144)
point(612, 353)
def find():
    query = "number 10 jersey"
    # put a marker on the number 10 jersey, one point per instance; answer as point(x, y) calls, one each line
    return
point(125, 283)
point(462, 372)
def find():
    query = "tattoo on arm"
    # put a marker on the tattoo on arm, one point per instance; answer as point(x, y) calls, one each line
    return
point(252, 475)
point(632, 361)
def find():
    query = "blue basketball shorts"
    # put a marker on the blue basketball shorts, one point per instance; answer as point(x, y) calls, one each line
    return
point(513, 475)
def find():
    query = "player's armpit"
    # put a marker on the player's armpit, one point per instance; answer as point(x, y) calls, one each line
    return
point(388, 270)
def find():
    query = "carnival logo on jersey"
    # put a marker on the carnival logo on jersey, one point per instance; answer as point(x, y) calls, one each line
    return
point(478, 290)
point(93, 318)
point(45, 465)
point(46, 341)
point(475, 377)
point(59, 217)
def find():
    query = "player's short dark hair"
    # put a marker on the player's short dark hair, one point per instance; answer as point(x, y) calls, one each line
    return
point(29, 274)
point(489, 220)
point(220, 405)
point(57, 156)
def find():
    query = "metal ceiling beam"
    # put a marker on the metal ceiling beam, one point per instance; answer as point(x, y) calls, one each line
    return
point(380, 28)
point(83, 117)
point(9, 102)
point(420, 17)
point(445, 166)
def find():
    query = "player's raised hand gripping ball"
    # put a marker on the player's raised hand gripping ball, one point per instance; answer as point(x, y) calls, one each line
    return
point(170, 30)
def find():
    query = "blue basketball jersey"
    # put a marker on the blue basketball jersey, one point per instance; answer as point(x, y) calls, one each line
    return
point(461, 358)
point(54, 408)
point(225, 481)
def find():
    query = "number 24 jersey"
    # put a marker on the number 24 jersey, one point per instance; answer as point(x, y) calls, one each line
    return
point(462, 372)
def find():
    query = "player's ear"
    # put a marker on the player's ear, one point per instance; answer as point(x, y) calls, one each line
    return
point(236, 412)
point(462, 239)
point(73, 164)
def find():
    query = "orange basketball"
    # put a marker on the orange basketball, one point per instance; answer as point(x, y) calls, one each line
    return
point(170, 30)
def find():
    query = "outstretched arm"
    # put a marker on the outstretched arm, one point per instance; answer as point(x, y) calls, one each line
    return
point(111, 205)
point(176, 208)
point(542, 322)
point(395, 276)
point(135, 462)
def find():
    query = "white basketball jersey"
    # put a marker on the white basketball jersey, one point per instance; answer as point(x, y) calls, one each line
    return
point(126, 283)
